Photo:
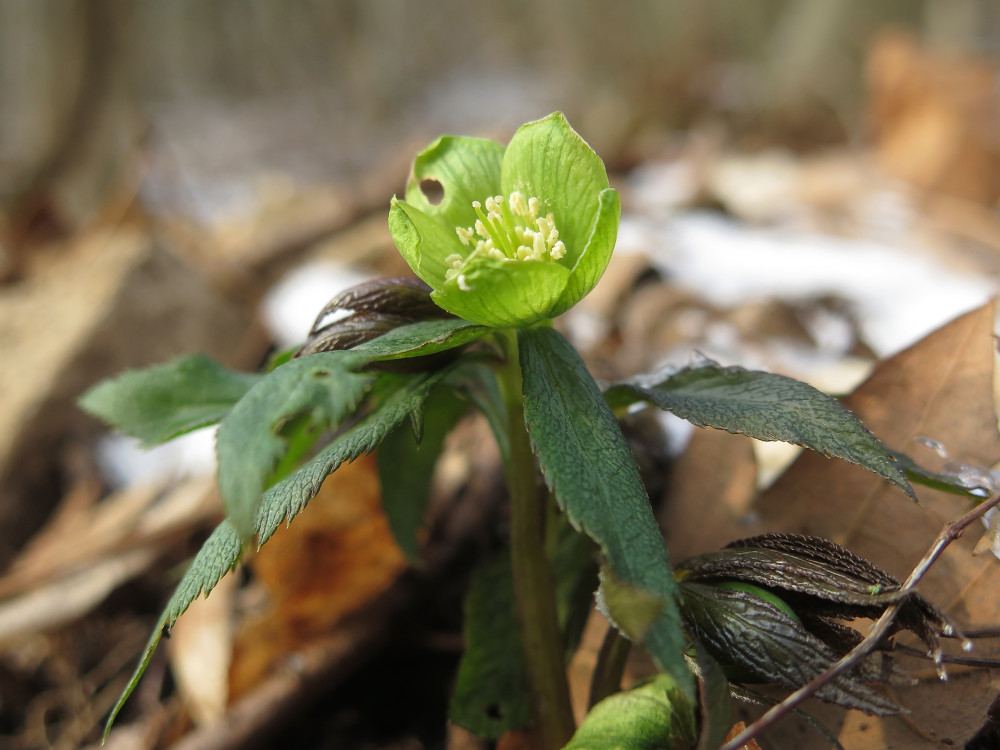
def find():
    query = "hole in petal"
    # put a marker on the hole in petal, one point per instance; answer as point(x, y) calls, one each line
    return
point(433, 191)
point(494, 711)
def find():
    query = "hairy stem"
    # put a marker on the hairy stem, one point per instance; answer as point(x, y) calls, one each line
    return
point(533, 582)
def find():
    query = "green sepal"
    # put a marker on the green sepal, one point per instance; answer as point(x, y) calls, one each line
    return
point(545, 159)
point(468, 169)
point(163, 402)
point(596, 254)
point(504, 294)
point(421, 240)
point(548, 159)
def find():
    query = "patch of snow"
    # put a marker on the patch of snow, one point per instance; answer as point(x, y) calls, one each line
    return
point(898, 296)
point(290, 307)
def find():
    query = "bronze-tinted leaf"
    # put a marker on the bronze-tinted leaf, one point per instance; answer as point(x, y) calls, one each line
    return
point(741, 629)
point(821, 578)
point(406, 296)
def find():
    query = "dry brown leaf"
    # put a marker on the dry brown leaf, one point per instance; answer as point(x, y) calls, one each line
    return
point(935, 118)
point(82, 532)
point(734, 732)
point(200, 650)
point(581, 667)
point(711, 490)
point(89, 549)
point(942, 387)
point(336, 557)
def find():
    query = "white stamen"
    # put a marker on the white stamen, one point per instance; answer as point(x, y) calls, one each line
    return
point(511, 233)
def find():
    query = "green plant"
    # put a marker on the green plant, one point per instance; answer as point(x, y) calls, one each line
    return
point(521, 234)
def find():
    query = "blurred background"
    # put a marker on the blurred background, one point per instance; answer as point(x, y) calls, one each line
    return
point(807, 187)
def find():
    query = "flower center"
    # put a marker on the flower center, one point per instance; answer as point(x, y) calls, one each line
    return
point(507, 230)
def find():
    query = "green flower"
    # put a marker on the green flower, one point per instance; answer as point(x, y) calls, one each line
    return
point(521, 233)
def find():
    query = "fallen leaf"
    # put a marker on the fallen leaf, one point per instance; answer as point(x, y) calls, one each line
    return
point(933, 116)
point(735, 731)
point(336, 557)
point(711, 490)
point(200, 649)
point(942, 388)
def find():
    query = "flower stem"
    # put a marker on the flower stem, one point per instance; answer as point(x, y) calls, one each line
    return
point(541, 637)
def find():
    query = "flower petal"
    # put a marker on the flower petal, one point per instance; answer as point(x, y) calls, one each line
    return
point(423, 241)
point(596, 254)
point(468, 169)
point(548, 159)
point(504, 294)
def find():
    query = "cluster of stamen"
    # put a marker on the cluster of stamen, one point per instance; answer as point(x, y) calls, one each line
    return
point(507, 230)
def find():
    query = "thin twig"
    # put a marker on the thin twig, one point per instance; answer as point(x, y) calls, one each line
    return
point(951, 531)
point(983, 662)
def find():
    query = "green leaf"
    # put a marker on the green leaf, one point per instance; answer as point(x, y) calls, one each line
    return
point(320, 388)
point(767, 407)
point(949, 483)
point(631, 609)
point(420, 339)
point(217, 556)
point(278, 420)
point(222, 550)
point(824, 579)
point(163, 402)
point(406, 468)
point(491, 690)
point(587, 463)
point(575, 568)
point(655, 715)
point(283, 501)
point(479, 382)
